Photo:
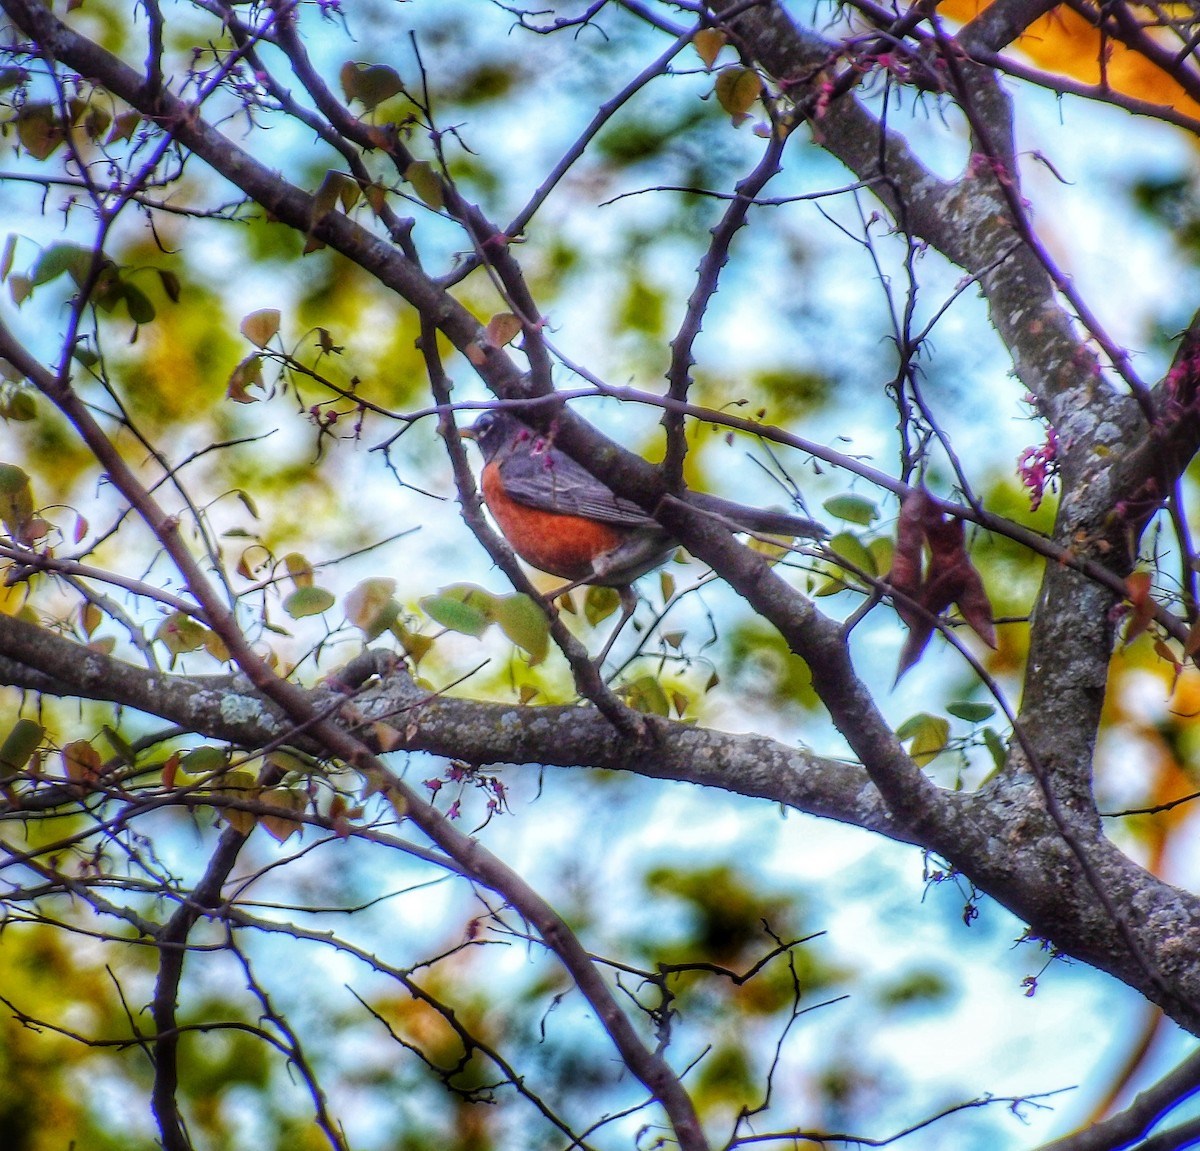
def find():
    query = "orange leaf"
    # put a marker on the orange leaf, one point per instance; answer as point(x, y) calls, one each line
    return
point(81, 762)
point(1137, 588)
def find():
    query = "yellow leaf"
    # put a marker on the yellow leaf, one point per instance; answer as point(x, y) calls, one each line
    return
point(600, 603)
point(215, 646)
point(299, 569)
point(325, 198)
point(279, 826)
point(123, 126)
point(416, 646)
point(1064, 42)
point(708, 43)
point(928, 734)
point(386, 736)
point(370, 606)
point(239, 786)
point(370, 84)
point(737, 89)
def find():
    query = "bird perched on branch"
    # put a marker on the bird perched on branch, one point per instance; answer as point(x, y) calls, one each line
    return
point(562, 520)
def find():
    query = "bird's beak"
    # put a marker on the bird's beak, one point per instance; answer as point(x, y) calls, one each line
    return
point(467, 434)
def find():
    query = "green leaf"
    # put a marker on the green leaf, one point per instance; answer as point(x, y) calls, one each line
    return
point(462, 607)
point(121, 749)
point(971, 712)
point(426, 183)
point(59, 258)
point(204, 760)
point(995, 746)
point(6, 260)
point(831, 586)
point(882, 549)
point(325, 198)
point(180, 633)
point(851, 549)
point(336, 188)
point(19, 405)
point(19, 745)
point(852, 509)
point(306, 601)
point(170, 284)
point(16, 498)
point(525, 624)
point(141, 310)
point(646, 694)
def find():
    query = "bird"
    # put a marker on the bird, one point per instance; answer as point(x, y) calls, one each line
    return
point(562, 520)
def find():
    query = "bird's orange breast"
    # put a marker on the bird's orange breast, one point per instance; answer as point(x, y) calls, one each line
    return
point(563, 545)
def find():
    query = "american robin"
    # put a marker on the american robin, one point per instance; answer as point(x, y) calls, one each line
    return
point(561, 519)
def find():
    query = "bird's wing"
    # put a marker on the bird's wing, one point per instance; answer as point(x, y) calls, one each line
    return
point(553, 482)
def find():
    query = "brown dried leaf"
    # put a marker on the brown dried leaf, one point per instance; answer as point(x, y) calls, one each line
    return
point(258, 327)
point(502, 329)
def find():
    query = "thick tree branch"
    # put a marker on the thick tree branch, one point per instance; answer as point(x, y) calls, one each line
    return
point(228, 708)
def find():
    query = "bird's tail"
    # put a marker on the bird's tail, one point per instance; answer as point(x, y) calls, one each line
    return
point(752, 519)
